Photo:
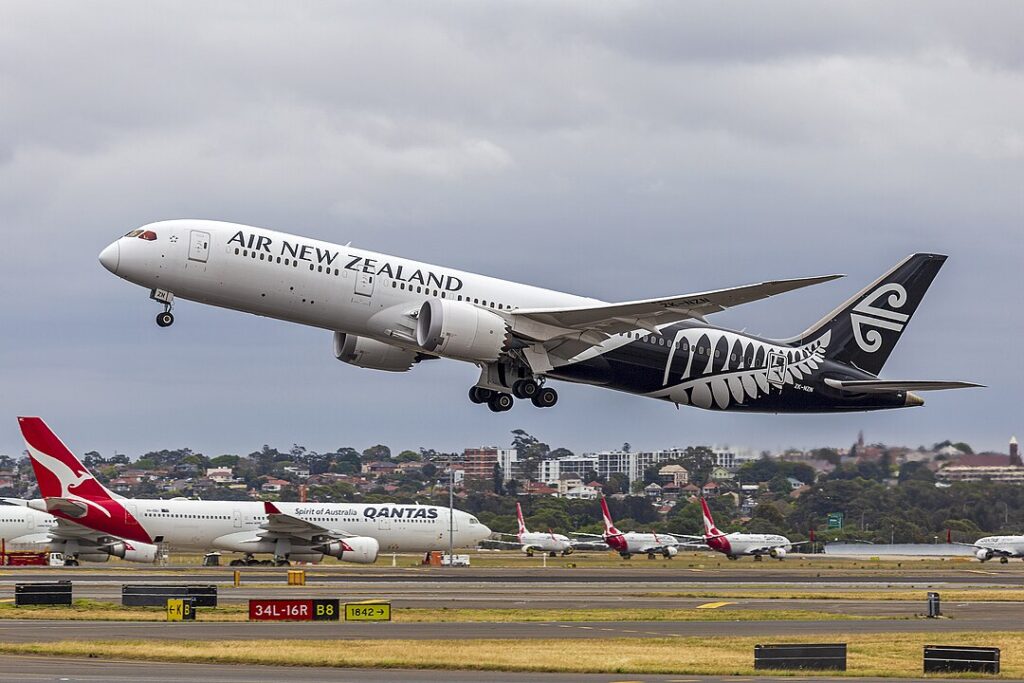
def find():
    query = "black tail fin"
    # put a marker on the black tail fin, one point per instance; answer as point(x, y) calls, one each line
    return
point(865, 329)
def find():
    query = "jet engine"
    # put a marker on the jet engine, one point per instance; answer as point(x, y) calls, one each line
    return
point(358, 549)
point(133, 551)
point(456, 329)
point(93, 557)
point(369, 353)
point(671, 551)
point(984, 554)
point(778, 553)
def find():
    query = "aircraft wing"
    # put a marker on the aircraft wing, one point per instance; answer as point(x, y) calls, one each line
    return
point(889, 386)
point(281, 524)
point(69, 531)
point(596, 323)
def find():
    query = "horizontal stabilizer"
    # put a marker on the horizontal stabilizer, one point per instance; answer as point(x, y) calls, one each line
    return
point(891, 386)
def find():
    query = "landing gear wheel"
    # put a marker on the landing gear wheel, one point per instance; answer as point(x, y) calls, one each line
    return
point(758, 558)
point(499, 403)
point(733, 557)
point(553, 554)
point(651, 556)
point(529, 553)
point(282, 563)
point(1004, 559)
point(165, 319)
point(480, 395)
point(545, 398)
point(236, 563)
point(525, 388)
point(626, 556)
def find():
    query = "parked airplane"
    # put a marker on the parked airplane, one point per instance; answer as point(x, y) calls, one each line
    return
point(25, 529)
point(633, 542)
point(350, 532)
point(735, 544)
point(389, 313)
point(1003, 547)
point(537, 541)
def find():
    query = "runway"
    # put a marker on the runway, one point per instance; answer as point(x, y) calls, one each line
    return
point(39, 669)
point(24, 631)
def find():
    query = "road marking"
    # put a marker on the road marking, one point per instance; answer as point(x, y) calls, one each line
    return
point(714, 605)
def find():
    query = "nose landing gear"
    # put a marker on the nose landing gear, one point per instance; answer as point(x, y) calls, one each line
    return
point(166, 318)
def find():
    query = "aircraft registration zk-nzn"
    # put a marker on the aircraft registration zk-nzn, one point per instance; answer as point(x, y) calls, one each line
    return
point(389, 313)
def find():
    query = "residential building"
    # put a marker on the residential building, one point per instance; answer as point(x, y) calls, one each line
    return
point(550, 471)
point(479, 462)
point(221, 475)
point(675, 474)
point(1005, 473)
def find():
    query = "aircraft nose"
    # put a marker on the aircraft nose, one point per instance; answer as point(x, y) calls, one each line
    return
point(110, 257)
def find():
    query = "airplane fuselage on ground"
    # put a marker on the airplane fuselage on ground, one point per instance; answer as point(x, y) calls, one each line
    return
point(389, 313)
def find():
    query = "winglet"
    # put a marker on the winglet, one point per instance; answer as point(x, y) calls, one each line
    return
point(270, 508)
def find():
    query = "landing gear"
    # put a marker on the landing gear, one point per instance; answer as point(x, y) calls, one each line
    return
point(236, 563)
point(525, 388)
point(480, 395)
point(282, 562)
point(545, 397)
point(733, 557)
point(625, 556)
point(758, 558)
point(165, 319)
point(651, 556)
point(499, 403)
point(1004, 559)
point(553, 554)
point(529, 553)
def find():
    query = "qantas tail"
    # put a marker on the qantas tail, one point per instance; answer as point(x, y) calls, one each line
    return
point(59, 473)
point(864, 330)
point(709, 522)
point(609, 525)
point(519, 517)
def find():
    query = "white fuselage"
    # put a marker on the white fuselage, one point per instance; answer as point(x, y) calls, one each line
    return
point(756, 544)
point(235, 526)
point(1009, 545)
point(548, 543)
point(306, 281)
point(640, 542)
point(25, 529)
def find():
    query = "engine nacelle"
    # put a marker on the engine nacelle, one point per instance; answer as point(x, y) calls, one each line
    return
point(93, 557)
point(134, 551)
point(358, 549)
point(309, 558)
point(456, 329)
point(671, 551)
point(778, 553)
point(369, 353)
point(983, 554)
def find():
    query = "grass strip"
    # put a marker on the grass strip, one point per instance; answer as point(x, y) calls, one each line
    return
point(879, 655)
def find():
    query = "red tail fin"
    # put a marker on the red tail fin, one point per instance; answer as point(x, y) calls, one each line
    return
point(59, 473)
point(609, 526)
point(519, 516)
point(709, 522)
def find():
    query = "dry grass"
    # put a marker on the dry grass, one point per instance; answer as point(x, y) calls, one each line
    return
point(948, 596)
point(885, 655)
point(89, 610)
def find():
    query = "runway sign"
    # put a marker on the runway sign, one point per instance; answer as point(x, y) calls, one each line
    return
point(801, 656)
point(181, 609)
point(294, 610)
point(368, 611)
point(56, 593)
point(948, 658)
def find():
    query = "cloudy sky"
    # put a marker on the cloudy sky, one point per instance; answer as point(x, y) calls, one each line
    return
point(620, 150)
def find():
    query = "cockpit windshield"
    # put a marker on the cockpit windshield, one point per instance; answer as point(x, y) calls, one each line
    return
point(147, 235)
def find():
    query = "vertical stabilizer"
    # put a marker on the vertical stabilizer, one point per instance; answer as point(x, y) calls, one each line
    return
point(709, 522)
point(519, 517)
point(609, 526)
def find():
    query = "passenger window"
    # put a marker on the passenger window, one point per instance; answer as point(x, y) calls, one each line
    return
point(261, 256)
point(311, 266)
point(320, 269)
point(278, 259)
point(287, 262)
point(236, 251)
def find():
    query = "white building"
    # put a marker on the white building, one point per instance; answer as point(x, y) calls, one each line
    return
point(551, 471)
point(220, 475)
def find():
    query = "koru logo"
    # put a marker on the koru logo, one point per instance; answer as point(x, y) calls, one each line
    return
point(867, 314)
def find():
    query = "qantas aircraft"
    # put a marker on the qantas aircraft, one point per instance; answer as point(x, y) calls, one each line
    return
point(389, 313)
point(25, 529)
point(735, 544)
point(304, 532)
point(537, 541)
point(633, 542)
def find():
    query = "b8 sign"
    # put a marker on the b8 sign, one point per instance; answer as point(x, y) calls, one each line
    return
point(293, 610)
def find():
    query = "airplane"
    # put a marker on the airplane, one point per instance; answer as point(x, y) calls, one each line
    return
point(1003, 547)
point(304, 532)
point(632, 542)
point(735, 544)
point(25, 529)
point(533, 541)
point(389, 313)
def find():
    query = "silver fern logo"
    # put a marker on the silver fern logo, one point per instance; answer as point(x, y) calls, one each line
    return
point(868, 314)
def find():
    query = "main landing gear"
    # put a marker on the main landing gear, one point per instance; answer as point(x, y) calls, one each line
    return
point(165, 319)
point(500, 402)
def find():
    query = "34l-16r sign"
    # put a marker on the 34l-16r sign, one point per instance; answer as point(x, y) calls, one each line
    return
point(294, 610)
